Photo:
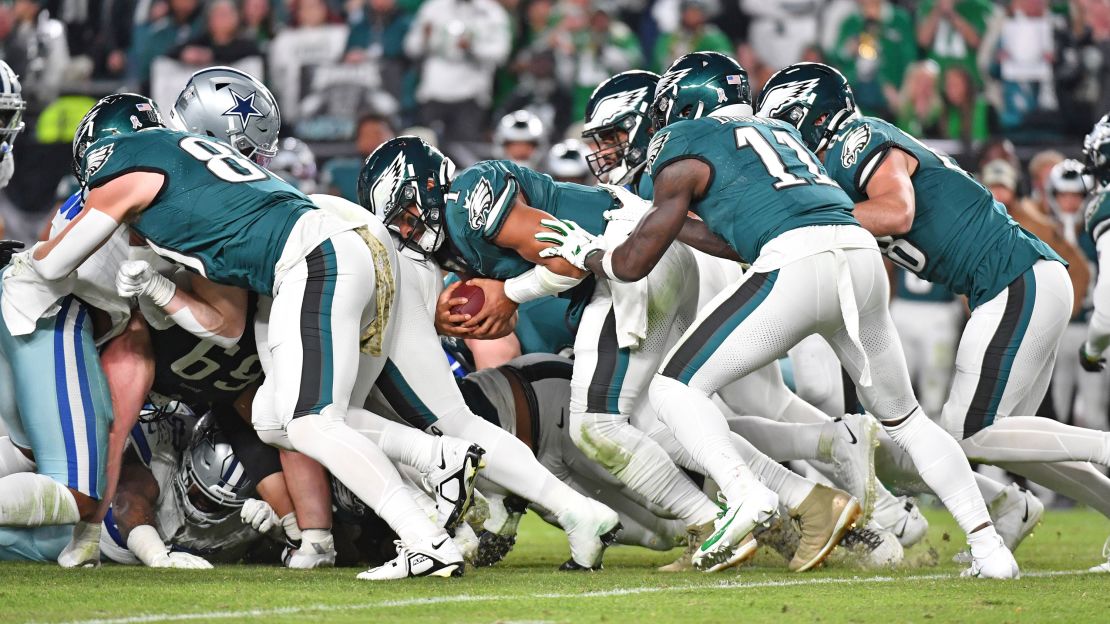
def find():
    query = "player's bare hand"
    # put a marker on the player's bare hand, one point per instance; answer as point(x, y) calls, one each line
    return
point(497, 317)
point(449, 324)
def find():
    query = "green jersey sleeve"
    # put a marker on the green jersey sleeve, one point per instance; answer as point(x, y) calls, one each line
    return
point(1098, 215)
point(113, 157)
point(669, 145)
point(856, 154)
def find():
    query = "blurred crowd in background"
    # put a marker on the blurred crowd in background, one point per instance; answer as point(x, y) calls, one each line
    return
point(350, 73)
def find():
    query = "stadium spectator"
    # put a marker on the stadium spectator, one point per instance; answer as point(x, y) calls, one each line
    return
point(695, 32)
point(35, 47)
point(180, 24)
point(378, 29)
point(221, 43)
point(1002, 179)
point(259, 22)
point(340, 175)
point(1023, 45)
point(459, 44)
point(781, 30)
point(966, 114)
point(1039, 167)
point(921, 108)
point(874, 48)
point(538, 88)
point(592, 46)
point(950, 31)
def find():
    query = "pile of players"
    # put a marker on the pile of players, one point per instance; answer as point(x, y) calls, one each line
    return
point(186, 291)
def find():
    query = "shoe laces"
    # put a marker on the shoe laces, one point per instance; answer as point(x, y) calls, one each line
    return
point(865, 536)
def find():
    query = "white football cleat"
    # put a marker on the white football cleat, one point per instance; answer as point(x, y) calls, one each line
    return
point(467, 541)
point(457, 464)
point(428, 557)
point(873, 547)
point(590, 531)
point(910, 527)
point(83, 549)
point(1103, 567)
point(1015, 513)
point(853, 458)
point(734, 524)
point(308, 557)
point(997, 562)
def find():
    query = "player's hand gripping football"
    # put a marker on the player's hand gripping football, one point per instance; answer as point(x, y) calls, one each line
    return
point(570, 242)
point(449, 322)
point(497, 318)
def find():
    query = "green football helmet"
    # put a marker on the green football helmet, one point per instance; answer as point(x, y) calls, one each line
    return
point(1096, 151)
point(813, 97)
point(697, 84)
point(620, 104)
point(120, 113)
point(405, 172)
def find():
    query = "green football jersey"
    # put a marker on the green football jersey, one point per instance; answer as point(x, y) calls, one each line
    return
point(218, 213)
point(910, 287)
point(482, 196)
point(1097, 216)
point(764, 182)
point(961, 237)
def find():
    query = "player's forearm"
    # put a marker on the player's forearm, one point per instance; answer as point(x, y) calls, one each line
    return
point(203, 320)
point(697, 234)
point(886, 215)
point(61, 255)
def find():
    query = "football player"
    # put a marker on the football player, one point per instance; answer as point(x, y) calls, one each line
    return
point(519, 137)
point(263, 236)
point(814, 270)
point(619, 126)
point(936, 221)
point(11, 121)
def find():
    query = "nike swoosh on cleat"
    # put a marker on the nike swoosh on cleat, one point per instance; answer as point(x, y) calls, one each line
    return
point(1025, 514)
point(562, 417)
point(855, 440)
point(901, 532)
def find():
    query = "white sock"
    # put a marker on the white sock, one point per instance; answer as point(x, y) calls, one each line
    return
point(983, 541)
point(1080, 481)
point(323, 537)
point(791, 487)
point(785, 441)
point(28, 499)
point(511, 464)
point(364, 469)
point(289, 524)
point(400, 443)
point(1035, 439)
point(700, 426)
point(641, 464)
point(12, 460)
point(943, 466)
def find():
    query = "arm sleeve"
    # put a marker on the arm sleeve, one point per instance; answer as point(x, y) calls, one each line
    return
point(1098, 331)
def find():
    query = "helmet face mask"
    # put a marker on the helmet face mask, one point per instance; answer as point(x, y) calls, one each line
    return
point(233, 106)
point(1096, 152)
point(11, 105)
point(698, 84)
point(210, 483)
point(618, 124)
point(404, 182)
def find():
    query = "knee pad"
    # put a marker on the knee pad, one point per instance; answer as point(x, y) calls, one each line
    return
point(276, 437)
point(603, 438)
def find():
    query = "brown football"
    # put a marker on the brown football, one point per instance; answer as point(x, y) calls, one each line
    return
point(475, 299)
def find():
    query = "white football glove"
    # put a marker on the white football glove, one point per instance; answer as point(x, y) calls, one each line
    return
point(181, 561)
point(260, 516)
point(572, 243)
point(633, 207)
point(136, 278)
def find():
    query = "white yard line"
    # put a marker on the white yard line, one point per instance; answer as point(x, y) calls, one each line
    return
point(463, 598)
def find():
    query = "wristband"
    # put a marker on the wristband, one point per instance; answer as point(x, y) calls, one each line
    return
point(159, 289)
point(537, 282)
point(607, 267)
point(145, 543)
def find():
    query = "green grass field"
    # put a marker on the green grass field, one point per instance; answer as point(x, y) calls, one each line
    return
point(526, 587)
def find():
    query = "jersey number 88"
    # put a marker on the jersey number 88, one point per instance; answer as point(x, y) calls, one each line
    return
point(222, 160)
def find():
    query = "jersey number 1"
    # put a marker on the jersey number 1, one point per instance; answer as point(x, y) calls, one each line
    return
point(222, 160)
point(750, 136)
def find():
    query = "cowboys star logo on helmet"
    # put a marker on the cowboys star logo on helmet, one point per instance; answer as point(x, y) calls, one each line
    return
point(617, 104)
point(385, 187)
point(655, 147)
point(95, 159)
point(786, 95)
point(854, 142)
point(243, 108)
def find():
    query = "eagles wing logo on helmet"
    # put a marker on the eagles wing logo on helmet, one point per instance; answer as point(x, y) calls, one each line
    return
point(670, 79)
point(854, 142)
point(784, 95)
point(385, 187)
point(96, 159)
point(654, 149)
point(617, 104)
point(478, 203)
